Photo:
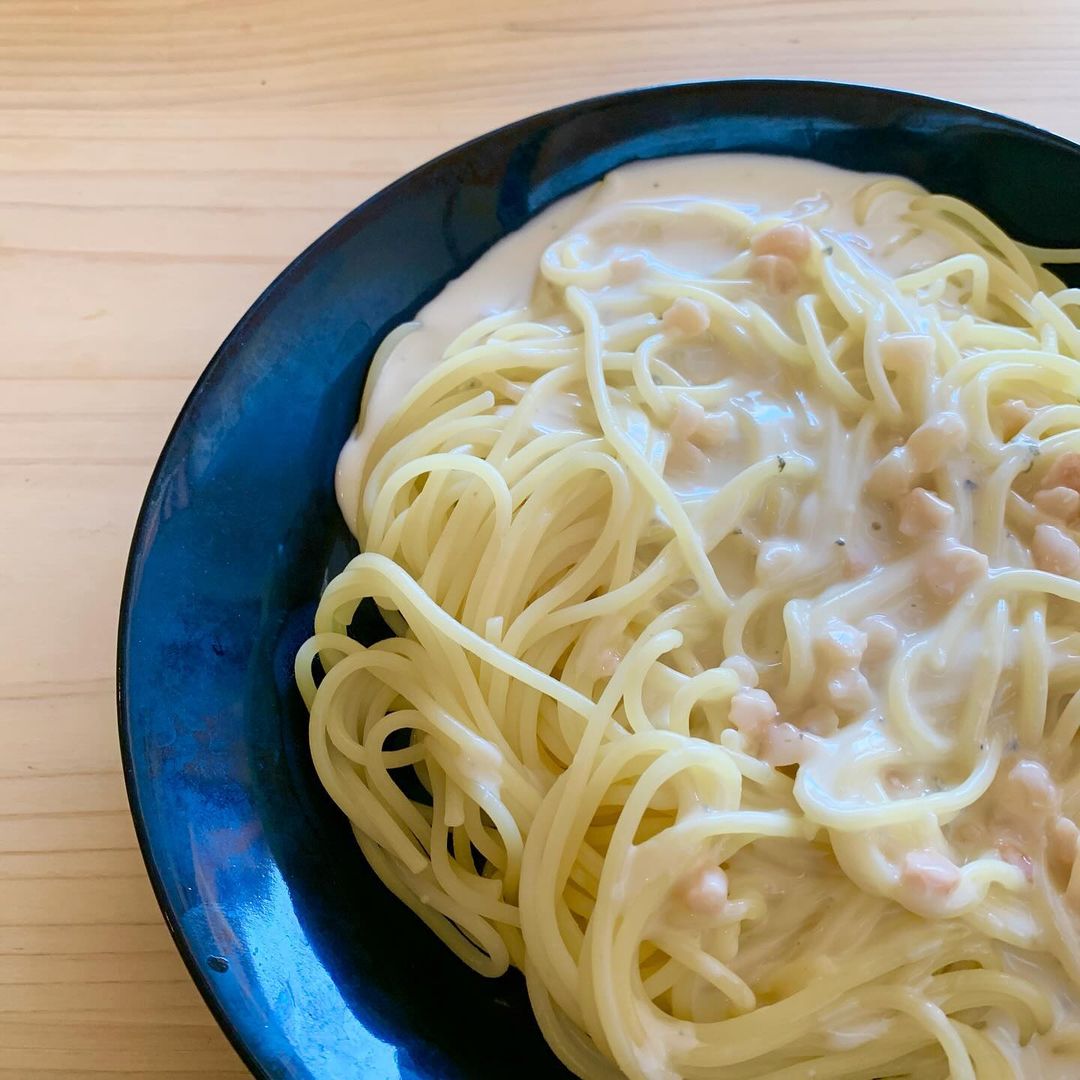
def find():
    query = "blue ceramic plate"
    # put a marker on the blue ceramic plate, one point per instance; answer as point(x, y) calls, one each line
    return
point(311, 967)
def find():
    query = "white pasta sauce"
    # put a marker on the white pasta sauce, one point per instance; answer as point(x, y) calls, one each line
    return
point(503, 278)
point(727, 516)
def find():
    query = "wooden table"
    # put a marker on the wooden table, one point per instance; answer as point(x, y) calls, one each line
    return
point(159, 163)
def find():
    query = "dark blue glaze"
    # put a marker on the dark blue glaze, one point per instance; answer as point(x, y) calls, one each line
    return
point(314, 970)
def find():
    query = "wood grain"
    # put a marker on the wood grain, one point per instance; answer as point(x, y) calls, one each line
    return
point(159, 163)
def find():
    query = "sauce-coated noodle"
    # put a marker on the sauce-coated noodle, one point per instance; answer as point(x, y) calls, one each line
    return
point(727, 519)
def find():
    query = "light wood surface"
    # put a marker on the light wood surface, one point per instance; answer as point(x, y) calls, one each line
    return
point(159, 163)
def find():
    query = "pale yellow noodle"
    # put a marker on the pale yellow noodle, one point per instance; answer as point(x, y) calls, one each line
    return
point(572, 528)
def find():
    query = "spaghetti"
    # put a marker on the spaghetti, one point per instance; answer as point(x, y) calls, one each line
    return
point(734, 580)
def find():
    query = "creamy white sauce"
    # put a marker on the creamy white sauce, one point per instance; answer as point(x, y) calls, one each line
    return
point(503, 278)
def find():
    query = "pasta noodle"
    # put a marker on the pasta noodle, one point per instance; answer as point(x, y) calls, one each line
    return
point(735, 588)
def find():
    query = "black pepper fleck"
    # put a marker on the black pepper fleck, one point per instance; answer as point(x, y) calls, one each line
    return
point(971, 485)
point(781, 464)
point(876, 526)
point(839, 543)
point(218, 964)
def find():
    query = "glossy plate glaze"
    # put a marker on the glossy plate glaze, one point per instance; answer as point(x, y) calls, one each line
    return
point(312, 968)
